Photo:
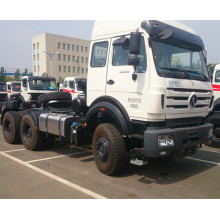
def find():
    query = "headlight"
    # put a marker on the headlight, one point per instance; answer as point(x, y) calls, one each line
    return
point(165, 140)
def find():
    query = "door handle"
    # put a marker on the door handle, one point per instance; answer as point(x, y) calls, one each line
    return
point(110, 82)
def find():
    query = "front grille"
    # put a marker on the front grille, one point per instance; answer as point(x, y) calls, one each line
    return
point(34, 96)
point(177, 100)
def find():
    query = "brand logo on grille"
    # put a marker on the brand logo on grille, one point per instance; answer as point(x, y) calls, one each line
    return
point(192, 100)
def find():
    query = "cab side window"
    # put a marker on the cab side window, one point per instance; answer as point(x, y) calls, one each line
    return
point(217, 76)
point(99, 54)
point(121, 56)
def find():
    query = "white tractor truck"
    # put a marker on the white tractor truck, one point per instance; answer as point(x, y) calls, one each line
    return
point(30, 88)
point(3, 94)
point(148, 94)
point(70, 85)
point(12, 87)
point(214, 116)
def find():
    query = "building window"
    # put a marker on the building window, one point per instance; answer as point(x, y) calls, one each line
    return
point(59, 56)
point(81, 48)
point(82, 59)
point(86, 49)
point(69, 69)
point(37, 45)
point(77, 59)
point(58, 45)
point(86, 70)
point(59, 68)
point(38, 58)
point(73, 47)
point(64, 45)
point(74, 69)
point(34, 68)
point(77, 47)
point(82, 70)
point(34, 57)
point(78, 69)
point(86, 59)
point(64, 57)
point(68, 46)
point(68, 57)
point(73, 58)
point(38, 68)
point(64, 69)
point(33, 46)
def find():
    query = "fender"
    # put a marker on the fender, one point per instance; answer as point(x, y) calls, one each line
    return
point(112, 110)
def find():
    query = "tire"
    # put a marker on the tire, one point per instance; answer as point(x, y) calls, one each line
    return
point(31, 138)
point(54, 96)
point(11, 127)
point(215, 141)
point(108, 149)
point(22, 113)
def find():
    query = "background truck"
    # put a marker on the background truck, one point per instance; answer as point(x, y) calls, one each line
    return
point(3, 94)
point(12, 87)
point(214, 116)
point(31, 88)
point(147, 95)
point(70, 85)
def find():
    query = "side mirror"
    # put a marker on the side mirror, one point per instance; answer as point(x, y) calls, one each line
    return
point(211, 78)
point(135, 43)
point(122, 41)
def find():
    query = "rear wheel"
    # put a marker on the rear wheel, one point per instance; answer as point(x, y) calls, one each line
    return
point(10, 127)
point(108, 149)
point(31, 137)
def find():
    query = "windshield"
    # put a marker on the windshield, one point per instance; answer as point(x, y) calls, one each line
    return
point(178, 62)
point(2, 87)
point(16, 87)
point(36, 84)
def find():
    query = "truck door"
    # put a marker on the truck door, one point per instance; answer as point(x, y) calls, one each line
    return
point(119, 83)
point(98, 69)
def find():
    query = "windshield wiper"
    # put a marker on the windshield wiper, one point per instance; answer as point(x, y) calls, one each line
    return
point(179, 70)
point(200, 74)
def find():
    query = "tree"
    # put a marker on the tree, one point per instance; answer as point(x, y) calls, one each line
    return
point(211, 67)
point(17, 75)
point(25, 72)
point(2, 74)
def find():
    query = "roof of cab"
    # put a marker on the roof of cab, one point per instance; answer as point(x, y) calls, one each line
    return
point(106, 29)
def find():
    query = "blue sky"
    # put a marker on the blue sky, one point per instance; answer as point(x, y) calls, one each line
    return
point(16, 37)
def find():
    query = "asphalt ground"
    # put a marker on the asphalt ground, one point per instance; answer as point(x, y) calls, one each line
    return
point(69, 172)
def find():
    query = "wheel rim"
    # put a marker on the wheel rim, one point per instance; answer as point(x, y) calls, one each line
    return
point(7, 128)
point(27, 133)
point(102, 149)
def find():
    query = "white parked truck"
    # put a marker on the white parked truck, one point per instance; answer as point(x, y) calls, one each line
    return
point(148, 93)
point(31, 88)
point(12, 87)
point(70, 85)
point(3, 91)
point(214, 116)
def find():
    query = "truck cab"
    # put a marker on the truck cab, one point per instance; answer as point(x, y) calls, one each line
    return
point(157, 71)
point(216, 82)
point(34, 86)
point(70, 85)
point(3, 91)
point(12, 88)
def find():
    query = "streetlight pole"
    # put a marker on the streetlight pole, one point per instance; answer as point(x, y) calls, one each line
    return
point(51, 58)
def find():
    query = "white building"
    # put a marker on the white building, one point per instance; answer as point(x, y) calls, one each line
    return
point(70, 59)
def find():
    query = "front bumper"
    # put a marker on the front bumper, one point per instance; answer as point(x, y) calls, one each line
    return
point(185, 140)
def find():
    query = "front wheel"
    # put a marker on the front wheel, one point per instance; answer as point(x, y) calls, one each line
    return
point(108, 149)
